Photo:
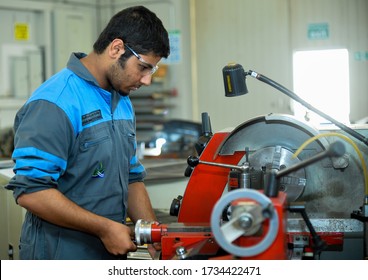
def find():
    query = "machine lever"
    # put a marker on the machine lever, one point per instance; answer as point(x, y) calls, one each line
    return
point(206, 134)
point(188, 171)
point(194, 161)
point(336, 149)
point(319, 244)
point(206, 124)
point(202, 141)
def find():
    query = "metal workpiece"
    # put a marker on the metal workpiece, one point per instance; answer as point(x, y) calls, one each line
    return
point(147, 232)
point(143, 232)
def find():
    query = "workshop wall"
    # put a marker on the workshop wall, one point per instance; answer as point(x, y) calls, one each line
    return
point(347, 23)
point(254, 34)
point(21, 57)
point(52, 29)
point(262, 36)
point(36, 40)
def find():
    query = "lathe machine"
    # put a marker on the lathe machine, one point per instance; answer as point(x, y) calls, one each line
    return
point(250, 197)
point(272, 188)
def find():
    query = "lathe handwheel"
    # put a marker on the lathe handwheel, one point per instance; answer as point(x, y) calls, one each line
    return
point(216, 215)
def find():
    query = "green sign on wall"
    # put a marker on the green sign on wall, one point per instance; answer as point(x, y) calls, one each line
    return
point(318, 31)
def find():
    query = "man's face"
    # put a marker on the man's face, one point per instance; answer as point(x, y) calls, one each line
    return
point(130, 75)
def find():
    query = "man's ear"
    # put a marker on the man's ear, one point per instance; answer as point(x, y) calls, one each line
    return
point(116, 48)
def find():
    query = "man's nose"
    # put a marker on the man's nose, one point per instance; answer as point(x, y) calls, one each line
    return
point(146, 80)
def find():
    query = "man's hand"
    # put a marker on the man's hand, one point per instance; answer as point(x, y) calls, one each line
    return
point(54, 207)
point(117, 239)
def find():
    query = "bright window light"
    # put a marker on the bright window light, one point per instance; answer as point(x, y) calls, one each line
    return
point(321, 78)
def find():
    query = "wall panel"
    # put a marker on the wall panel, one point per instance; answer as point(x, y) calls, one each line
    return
point(253, 34)
point(262, 36)
point(347, 22)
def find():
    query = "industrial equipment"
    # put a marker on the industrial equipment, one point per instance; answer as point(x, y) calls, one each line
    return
point(272, 188)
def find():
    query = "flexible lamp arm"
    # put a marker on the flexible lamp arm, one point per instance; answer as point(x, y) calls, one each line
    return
point(307, 105)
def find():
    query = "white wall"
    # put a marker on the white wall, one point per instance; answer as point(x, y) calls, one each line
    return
point(262, 36)
point(254, 34)
point(348, 28)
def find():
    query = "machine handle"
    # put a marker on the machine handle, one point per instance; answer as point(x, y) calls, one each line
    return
point(193, 161)
point(206, 124)
point(336, 149)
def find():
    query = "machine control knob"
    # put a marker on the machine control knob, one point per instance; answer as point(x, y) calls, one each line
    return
point(193, 161)
point(175, 206)
point(245, 221)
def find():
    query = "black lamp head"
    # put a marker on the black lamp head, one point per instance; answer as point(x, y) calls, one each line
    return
point(234, 80)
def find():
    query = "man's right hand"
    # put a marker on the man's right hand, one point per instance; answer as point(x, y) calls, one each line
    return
point(54, 207)
point(117, 239)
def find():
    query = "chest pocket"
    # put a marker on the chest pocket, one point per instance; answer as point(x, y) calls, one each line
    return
point(90, 143)
point(93, 159)
point(127, 138)
point(93, 139)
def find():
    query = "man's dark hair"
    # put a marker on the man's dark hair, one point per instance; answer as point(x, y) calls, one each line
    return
point(138, 27)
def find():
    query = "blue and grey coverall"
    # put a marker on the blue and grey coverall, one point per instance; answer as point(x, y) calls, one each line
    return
point(76, 137)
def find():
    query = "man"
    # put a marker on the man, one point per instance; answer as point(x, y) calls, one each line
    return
point(77, 173)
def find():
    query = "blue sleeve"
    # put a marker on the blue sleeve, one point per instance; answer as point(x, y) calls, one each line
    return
point(42, 134)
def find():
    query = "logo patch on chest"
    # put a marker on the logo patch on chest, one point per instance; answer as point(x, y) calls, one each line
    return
point(99, 172)
point(91, 117)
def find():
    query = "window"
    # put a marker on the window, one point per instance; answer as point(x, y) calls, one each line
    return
point(321, 78)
